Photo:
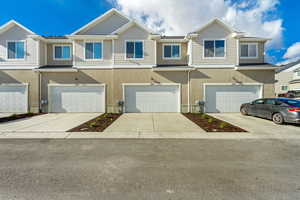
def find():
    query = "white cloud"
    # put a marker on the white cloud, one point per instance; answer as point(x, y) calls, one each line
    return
point(292, 54)
point(293, 51)
point(177, 17)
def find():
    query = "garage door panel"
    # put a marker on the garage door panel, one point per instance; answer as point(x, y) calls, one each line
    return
point(77, 99)
point(151, 99)
point(222, 98)
point(14, 99)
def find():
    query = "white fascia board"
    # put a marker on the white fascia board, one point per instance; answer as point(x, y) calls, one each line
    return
point(254, 39)
point(11, 23)
point(93, 67)
point(18, 67)
point(93, 37)
point(255, 68)
point(220, 66)
point(173, 40)
point(132, 66)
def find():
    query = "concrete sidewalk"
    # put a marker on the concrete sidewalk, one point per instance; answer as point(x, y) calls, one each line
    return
point(142, 135)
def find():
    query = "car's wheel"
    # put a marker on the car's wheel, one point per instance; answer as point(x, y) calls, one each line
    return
point(244, 111)
point(278, 118)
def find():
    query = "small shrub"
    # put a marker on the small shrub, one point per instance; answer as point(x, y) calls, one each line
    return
point(203, 116)
point(223, 125)
point(93, 125)
point(14, 115)
point(210, 120)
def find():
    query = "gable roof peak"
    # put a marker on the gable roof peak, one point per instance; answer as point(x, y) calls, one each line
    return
point(219, 21)
point(100, 18)
point(12, 23)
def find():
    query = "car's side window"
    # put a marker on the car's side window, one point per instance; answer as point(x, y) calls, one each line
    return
point(270, 102)
point(260, 101)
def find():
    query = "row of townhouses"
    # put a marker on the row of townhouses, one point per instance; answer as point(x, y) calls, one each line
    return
point(115, 63)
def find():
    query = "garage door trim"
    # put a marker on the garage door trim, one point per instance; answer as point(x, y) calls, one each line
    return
point(20, 85)
point(150, 84)
point(261, 92)
point(74, 85)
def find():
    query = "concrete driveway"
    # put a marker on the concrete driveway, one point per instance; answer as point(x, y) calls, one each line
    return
point(153, 122)
point(257, 125)
point(49, 122)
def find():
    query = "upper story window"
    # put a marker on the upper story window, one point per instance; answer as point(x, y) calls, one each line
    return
point(284, 87)
point(249, 50)
point(214, 48)
point(62, 52)
point(171, 51)
point(93, 51)
point(134, 49)
point(15, 50)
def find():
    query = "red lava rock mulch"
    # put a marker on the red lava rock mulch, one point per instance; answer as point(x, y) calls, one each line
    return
point(211, 124)
point(99, 124)
point(18, 116)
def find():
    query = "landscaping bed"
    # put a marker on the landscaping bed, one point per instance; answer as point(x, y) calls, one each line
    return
point(18, 116)
point(211, 124)
point(99, 124)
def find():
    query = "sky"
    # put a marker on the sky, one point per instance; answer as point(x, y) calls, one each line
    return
point(275, 19)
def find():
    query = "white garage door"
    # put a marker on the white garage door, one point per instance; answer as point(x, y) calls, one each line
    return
point(64, 98)
point(223, 98)
point(14, 98)
point(152, 98)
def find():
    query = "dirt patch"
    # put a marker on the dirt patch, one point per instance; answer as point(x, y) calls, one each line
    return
point(211, 124)
point(99, 124)
point(18, 116)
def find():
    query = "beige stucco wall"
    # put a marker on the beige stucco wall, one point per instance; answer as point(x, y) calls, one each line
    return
point(116, 77)
point(214, 31)
point(50, 56)
point(261, 52)
point(24, 76)
point(282, 78)
point(134, 33)
point(80, 54)
point(182, 61)
point(199, 77)
point(16, 33)
point(294, 86)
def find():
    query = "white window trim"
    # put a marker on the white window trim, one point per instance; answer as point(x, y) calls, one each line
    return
point(225, 49)
point(93, 41)
point(125, 52)
point(249, 57)
point(62, 45)
point(25, 50)
point(171, 58)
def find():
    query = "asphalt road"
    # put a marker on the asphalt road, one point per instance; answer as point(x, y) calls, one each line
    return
point(149, 169)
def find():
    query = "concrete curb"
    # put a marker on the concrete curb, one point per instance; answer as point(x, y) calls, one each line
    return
point(140, 135)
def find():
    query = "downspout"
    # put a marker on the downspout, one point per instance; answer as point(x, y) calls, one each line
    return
point(189, 109)
point(40, 91)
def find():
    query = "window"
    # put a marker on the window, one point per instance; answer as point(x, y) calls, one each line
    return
point(62, 52)
point(249, 50)
point(93, 50)
point(284, 87)
point(15, 50)
point(134, 49)
point(214, 48)
point(172, 51)
point(271, 102)
point(259, 101)
point(298, 73)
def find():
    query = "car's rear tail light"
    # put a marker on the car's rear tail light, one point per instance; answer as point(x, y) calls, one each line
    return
point(294, 109)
